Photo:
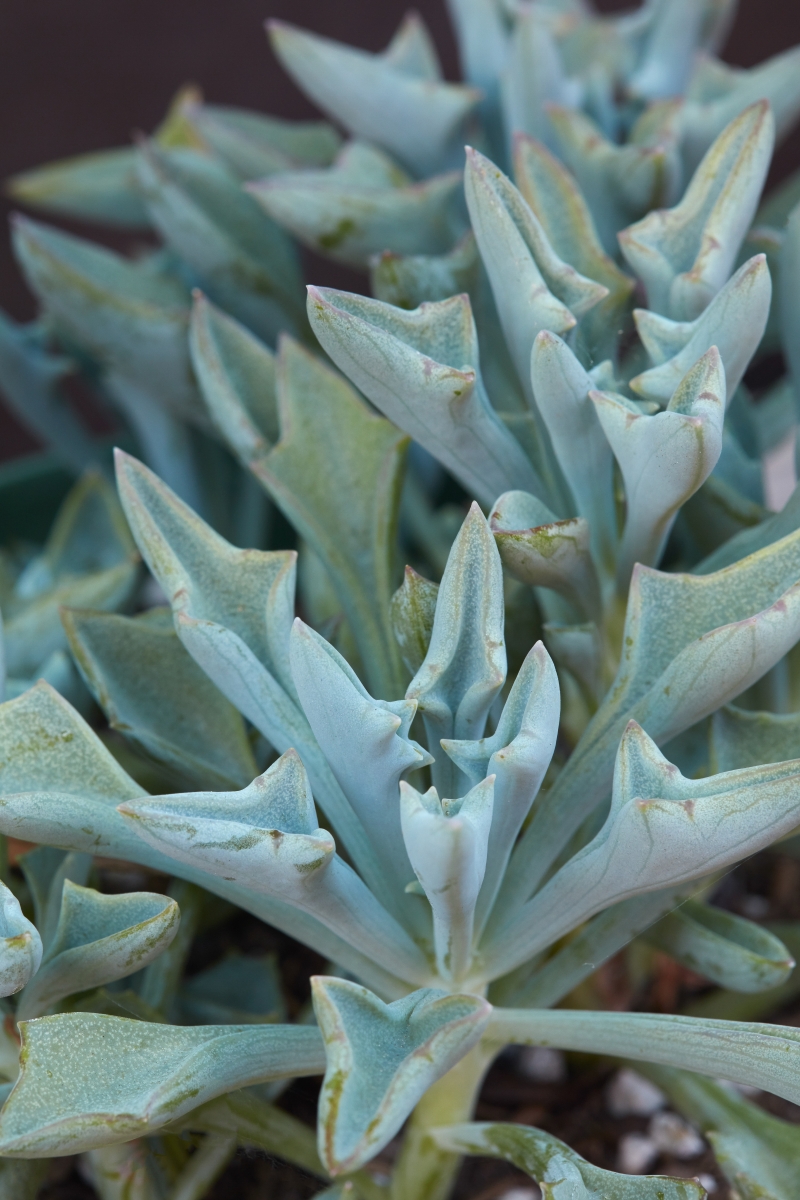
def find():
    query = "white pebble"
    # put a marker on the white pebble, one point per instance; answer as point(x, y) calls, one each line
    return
point(520, 1193)
point(631, 1095)
point(542, 1064)
point(708, 1182)
point(636, 1153)
point(675, 1136)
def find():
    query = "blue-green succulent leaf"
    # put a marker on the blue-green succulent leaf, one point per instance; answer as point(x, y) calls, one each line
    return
point(718, 93)
point(663, 458)
point(237, 990)
point(744, 738)
point(747, 541)
point(482, 40)
point(543, 552)
point(414, 119)
point(759, 1055)
point(89, 1080)
point(94, 187)
point(517, 754)
point(759, 1153)
point(555, 197)
point(690, 644)
point(561, 388)
point(89, 559)
point(60, 786)
point(421, 370)
point(412, 50)
point(265, 838)
point(668, 52)
point(789, 300)
point(684, 255)
point(254, 145)
point(465, 666)
point(238, 255)
point(350, 219)
point(727, 949)
point(98, 939)
point(381, 1059)
point(30, 379)
point(45, 870)
point(153, 691)
point(662, 830)
point(447, 842)
point(413, 611)
point(734, 322)
point(366, 743)
point(621, 183)
point(20, 945)
point(562, 1173)
point(534, 78)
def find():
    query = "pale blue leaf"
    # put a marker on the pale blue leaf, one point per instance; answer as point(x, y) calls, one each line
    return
point(684, 255)
point(534, 77)
point(20, 945)
point(382, 1059)
point(96, 187)
point(255, 145)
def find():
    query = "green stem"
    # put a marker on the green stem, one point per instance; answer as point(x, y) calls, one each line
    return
point(424, 1171)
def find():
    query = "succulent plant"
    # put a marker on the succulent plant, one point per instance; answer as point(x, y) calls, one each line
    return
point(465, 795)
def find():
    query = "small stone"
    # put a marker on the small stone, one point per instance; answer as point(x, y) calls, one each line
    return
point(672, 1135)
point(542, 1064)
point(636, 1154)
point(521, 1193)
point(631, 1095)
point(708, 1182)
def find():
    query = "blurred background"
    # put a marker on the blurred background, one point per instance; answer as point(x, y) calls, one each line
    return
point(81, 75)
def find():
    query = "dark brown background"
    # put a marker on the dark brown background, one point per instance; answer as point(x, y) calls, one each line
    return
point(79, 75)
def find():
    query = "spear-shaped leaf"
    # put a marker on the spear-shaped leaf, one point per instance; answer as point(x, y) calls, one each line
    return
point(685, 254)
point(535, 78)
point(89, 1080)
point(421, 369)
point(98, 939)
point(20, 945)
point(152, 690)
point(254, 145)
point(266, 839)
point(414, 119)
point(95, 187)
point(382, 1059)
point(465, 665)
point(663, 458)
point(563, 1174)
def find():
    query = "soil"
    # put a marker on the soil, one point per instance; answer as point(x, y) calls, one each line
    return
point(575, 1110)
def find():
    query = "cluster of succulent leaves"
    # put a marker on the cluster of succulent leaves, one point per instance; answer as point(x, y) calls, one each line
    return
point(465, 795)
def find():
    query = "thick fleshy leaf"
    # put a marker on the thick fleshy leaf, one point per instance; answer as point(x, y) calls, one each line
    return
point(534, 78)
point(239, 989)
point(382, 1059)
point(734, 322)
point(152, 690)
point(465, 666)
point(482, 40)
point(366, 743)
point(690, 644)
point(20, 945)
point(350, 219)
point(265, 838)
point(89, 1080)
point(413, 611)
point(447, 843)
point(556, 199)
point(517, 754)
point(731, 951)
point(60, 786)
point(685, 254)
point(662, 830)
point(663, 458)
point(753, 538)
point(414, 119)
point(254, 145)
point(98, 939)
point(421, 370)
point(563, 1174)
point(759, 1153)
point(789, 300)
point(233, 611)
point(742, 738)
point(719, 92)
point(668, 51)
point(95, 187)
point(533, 288)
point(88, 559)
point(239, 256)
point(30, 380)
point(621, 183)
point(543, 552)
point(561, 388)
point(759, 1055)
